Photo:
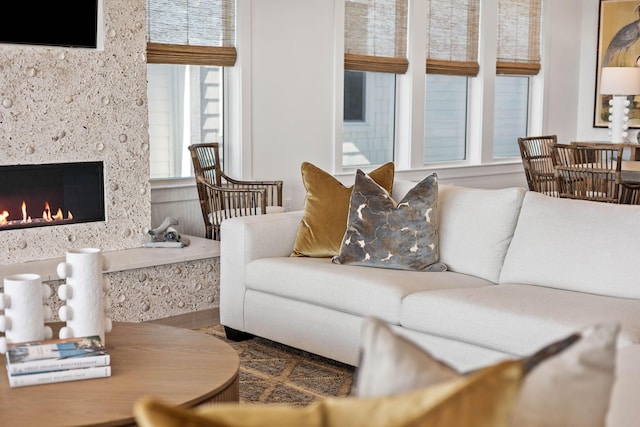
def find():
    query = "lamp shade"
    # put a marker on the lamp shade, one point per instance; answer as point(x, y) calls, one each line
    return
point(620, 81)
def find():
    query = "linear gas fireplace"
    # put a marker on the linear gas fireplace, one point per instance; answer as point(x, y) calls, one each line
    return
point(51, 194)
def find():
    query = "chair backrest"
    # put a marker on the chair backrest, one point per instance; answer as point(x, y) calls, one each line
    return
point(588, 172)
point(629, 193)
point(538, 166)
point(206, 167)
point(206, 162)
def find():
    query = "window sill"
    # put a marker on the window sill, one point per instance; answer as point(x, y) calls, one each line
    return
point(453, 170)
point(161, 183)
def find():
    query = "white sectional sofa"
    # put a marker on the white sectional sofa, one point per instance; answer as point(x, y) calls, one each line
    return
point(524, 269)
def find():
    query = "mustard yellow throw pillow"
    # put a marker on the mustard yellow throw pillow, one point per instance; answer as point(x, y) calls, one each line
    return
point(326, 210)
point(483, 399)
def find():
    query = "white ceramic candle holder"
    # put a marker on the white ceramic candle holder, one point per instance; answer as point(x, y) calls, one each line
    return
point(86, 303)
point(24, 310)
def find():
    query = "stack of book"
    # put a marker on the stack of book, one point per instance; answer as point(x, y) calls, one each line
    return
point(57, 360)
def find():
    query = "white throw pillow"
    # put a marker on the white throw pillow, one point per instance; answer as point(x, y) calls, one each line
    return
point(568, 383)
point(572, 388)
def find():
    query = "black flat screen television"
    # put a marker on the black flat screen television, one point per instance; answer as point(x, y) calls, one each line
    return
point(69, 23)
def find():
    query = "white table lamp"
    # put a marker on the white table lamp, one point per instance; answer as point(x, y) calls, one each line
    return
point(619, 82)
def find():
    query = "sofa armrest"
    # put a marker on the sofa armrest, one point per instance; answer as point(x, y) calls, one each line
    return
point(243, 240)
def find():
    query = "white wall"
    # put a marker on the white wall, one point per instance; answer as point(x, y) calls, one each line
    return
point(292, 98)
point(287, 62)
point(562, 65)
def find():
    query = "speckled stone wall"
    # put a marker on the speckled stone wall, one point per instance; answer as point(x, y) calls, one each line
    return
point(158, 292)
point(66, 105)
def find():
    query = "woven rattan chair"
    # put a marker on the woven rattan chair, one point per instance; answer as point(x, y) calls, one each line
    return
point(629, 193)
point(537, 163)
point(590, 172)
point(223, 197)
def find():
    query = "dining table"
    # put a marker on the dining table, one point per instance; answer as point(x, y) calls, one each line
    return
point(630, 170)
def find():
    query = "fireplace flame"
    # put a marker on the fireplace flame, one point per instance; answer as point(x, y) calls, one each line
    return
point(46, 213)
point(47, 216)
point(25, 218)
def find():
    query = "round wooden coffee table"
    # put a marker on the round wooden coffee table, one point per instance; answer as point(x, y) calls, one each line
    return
point(180, 366)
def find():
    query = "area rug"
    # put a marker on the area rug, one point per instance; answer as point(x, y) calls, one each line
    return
point(275, 373)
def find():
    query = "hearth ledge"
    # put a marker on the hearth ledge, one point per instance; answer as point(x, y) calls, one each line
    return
point(127, 259)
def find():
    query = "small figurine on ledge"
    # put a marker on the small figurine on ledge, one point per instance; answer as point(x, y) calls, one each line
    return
point(165, 236)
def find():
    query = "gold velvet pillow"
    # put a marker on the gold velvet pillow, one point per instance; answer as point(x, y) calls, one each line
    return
point(482, 399)
point(326, 210)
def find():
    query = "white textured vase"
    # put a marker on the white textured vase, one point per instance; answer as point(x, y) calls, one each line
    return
point(86, 303)
point(24, 310)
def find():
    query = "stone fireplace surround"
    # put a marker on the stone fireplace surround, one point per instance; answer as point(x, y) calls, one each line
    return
point(61, 105)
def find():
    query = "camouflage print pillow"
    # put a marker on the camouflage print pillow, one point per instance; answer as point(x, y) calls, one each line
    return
point(385, 234)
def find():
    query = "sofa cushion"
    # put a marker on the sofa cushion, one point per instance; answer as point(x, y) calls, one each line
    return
point(567, 383)
point(352, 289)
point(476, 227)
point(326, 209)
point(384, 233)
point(516, 319)
point(575, 245)
point(483, 399)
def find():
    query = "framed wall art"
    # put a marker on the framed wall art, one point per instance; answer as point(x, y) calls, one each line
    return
point(618, 46)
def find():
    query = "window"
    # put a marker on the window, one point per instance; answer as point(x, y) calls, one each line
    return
point(188, 46)
point(518, 56)
point(185, 107)
point(511, 114)
point(354, 96)
point(445, 118)
point(375, 52)
point(370, 141)
point(470, 105)
point(451, 58)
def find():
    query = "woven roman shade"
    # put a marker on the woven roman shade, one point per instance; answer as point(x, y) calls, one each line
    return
point(452, 37)
point(518, 37)
point(376, 36)
point(197, 32)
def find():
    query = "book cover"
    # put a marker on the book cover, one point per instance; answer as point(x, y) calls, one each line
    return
point(57, 354)
point(60, 376)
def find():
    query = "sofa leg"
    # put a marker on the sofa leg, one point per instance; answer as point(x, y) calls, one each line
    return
point(236, 335)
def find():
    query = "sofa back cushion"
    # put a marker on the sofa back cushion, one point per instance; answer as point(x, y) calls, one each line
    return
point(575, 245)
point(476, 227)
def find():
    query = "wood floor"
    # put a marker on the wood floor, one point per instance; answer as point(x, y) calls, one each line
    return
point(194, 320)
